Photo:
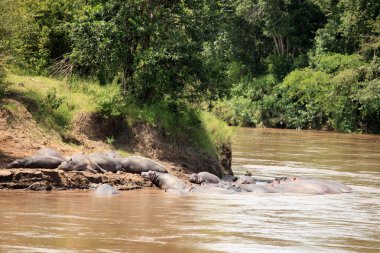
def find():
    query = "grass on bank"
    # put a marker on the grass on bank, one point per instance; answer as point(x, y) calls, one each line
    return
point(54, 104)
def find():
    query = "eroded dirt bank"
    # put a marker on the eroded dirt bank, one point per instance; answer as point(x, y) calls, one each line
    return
point(20, 136)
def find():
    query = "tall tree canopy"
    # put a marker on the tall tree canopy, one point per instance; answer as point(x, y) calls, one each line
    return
point(256, 53)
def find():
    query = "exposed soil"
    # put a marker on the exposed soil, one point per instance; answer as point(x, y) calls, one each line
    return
point(20, 136)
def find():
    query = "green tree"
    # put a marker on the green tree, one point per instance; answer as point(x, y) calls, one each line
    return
point(290, 25)
point(349, 23)
point(157, 46)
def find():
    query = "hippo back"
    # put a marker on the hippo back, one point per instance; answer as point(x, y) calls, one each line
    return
point(164, 180)
point(75, 162)
point(169, 181)
point(49, 152)
point(254, 188)
point(138, 164)
point(204, 177)
point(46, 162)
point(106, 162)
point(245, 180)
point(106, 190)
point(300, 187)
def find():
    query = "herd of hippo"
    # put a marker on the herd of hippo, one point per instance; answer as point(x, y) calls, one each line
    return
point(205, 182)
point(202, 182)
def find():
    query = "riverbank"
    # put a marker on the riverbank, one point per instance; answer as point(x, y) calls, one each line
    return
point(28, 123)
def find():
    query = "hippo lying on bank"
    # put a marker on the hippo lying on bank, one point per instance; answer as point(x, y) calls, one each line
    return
point(80, 162)
point(107, 161)
point(49, 152)
point(46, 158)
point(164, 180)
point(204, 177)
point(45, 162)
point(139, 164)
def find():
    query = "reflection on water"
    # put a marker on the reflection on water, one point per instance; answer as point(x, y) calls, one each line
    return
point(153, 221)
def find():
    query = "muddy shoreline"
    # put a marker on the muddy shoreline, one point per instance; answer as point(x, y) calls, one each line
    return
point(21, 136)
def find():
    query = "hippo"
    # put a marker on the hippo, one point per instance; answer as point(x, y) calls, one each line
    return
point(245, 180)
point(106, 162)
point(211, 188)
point(331, 185)
point(39, 161)
point(204, 177)
point(139, 164)
point(255, 188)
point(307, 186)
point(112, 154)
point(80, 162)
point(49, 152)
point(46, 158)
point(106, 190)
point(164, 180)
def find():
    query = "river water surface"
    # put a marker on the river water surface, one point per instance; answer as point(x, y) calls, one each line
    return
point(154, 221)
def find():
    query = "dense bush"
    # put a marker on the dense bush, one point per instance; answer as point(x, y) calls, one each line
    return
point(343, 97)
point(334, 63)
point(2, 82)
point(302, 94)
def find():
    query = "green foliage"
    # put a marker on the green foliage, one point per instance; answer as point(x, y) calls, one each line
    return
point(278, 63)
point(302, 98)
point(355, 105)
point(110, 140)
point(40, 36)
point(157, 46)
point(347, 25)
point(3, 84)
point(334, 63)
point(110, 101)
point(184, 125)
point(343, 98)
point(250, 104)
point(51, 111)
point(289, 25)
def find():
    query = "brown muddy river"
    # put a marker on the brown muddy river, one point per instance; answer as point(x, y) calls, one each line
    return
point(154, 221)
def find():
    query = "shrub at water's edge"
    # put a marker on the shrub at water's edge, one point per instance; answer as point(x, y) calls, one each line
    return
point(336, 92)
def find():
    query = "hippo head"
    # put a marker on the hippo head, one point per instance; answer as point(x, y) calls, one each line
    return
point(16, 164)
point(69, 164)
point(150, 175)
point(194, 178)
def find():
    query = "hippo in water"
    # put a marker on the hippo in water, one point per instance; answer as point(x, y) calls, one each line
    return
point(106, 190)
point(204, 177)
point(46, 158)
point(164, 180)
point(255, 188)
point(80, 162)
point(138, 164)
point(223, 187)
point(245, 180)
point(307, 186)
